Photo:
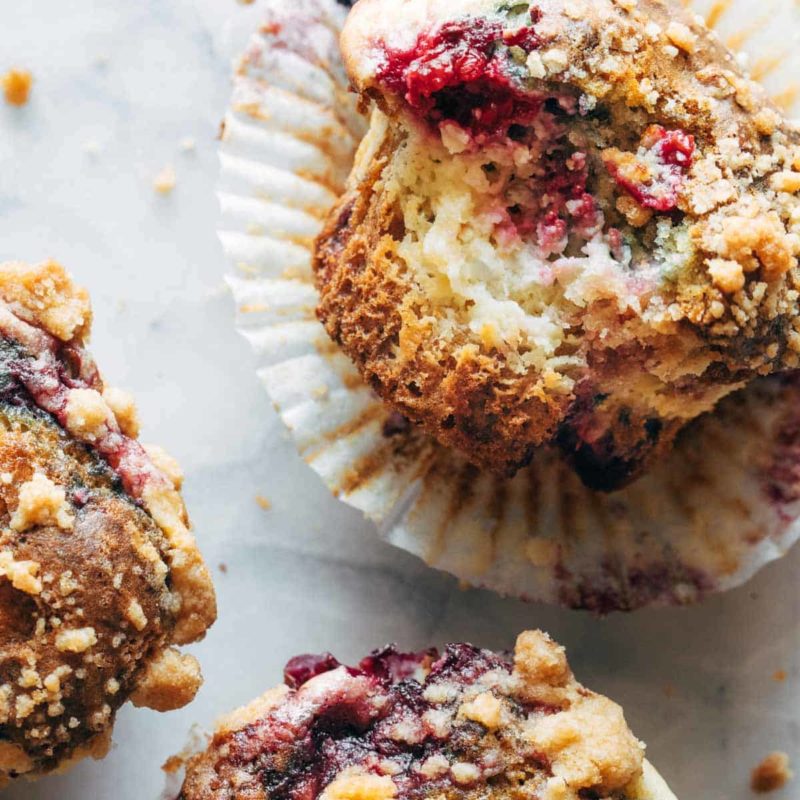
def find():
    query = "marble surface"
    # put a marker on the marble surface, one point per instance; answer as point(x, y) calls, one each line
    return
point(119, 86)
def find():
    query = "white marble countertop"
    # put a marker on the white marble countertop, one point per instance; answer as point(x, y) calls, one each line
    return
point(118, 86)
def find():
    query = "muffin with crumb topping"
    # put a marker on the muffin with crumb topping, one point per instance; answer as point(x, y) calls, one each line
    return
point(570, 223)
point(100, 576)
point(463, 725)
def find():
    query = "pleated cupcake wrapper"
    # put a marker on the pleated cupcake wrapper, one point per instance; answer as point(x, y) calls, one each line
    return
point(721, 506)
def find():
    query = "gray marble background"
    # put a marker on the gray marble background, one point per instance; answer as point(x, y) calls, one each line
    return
point(119, 85)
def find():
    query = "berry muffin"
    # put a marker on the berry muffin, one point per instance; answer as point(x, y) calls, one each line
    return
point(467, 724)
point(100, 577)
point(571, 222)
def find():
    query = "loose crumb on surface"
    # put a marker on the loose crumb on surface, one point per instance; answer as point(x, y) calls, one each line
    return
point(771, 774)
point(16, 85)
point(165, 181)
point(173, 764)
point(223, 568)
point(188, 144)
point(263, 502)
point(779, 675)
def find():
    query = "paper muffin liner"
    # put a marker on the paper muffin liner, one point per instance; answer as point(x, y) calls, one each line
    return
point(725, 502)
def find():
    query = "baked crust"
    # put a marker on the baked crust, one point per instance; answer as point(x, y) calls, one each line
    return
point(723, 312)
point(99, 575)
point(468, 724)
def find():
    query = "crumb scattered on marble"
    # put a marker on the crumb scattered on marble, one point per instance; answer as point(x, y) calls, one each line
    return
point(223, 568)
point(779, 675)
point(165, 181)
point(16, 85)
point(263, 502)
point(771, 774)
point(188, 144)
point(172, 764)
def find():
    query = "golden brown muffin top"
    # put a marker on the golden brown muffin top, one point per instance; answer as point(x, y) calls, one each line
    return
point(467, 724)
point(100, 575)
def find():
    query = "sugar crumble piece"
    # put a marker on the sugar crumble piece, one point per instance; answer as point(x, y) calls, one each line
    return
point(123, 408)
point(171, 680)
point(727, 275)
point(263, 502)
point(166, 463)
point(771, 774)
point(356, 785)
point(22, 574)
point(16, 85)
point(88, 414)
point(681, 36)
point(41, 502)
point(165, 181)
point(136, 615)
point(77, 640)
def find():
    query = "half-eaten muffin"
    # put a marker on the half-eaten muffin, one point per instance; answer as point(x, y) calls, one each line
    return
point(571, 222)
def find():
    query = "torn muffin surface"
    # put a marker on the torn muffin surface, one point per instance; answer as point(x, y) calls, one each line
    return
point(570, 223)
point(468, 723)
point(100, 577)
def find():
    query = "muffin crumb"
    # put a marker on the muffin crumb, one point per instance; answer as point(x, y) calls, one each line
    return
point(165, 181)
point(17, 86)
point(771, 774)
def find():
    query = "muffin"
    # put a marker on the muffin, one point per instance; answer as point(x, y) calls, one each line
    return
point(468, 723)
point(101, 577)
point(570, 223)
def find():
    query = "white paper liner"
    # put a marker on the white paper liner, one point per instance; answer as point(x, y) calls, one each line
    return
point(723, 505)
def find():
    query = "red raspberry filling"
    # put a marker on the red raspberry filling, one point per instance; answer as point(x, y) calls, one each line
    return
point(350, 716)
point(42, 370)
point(560, 207)
point(654, 179)
point(461, 71)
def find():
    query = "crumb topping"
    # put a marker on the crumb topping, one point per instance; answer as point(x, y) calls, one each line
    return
point(22, 574)
point(76, 641)
point(464, 724)
point(79, 498)
point(171, 681)
point(41, 502)
point(123, 407)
